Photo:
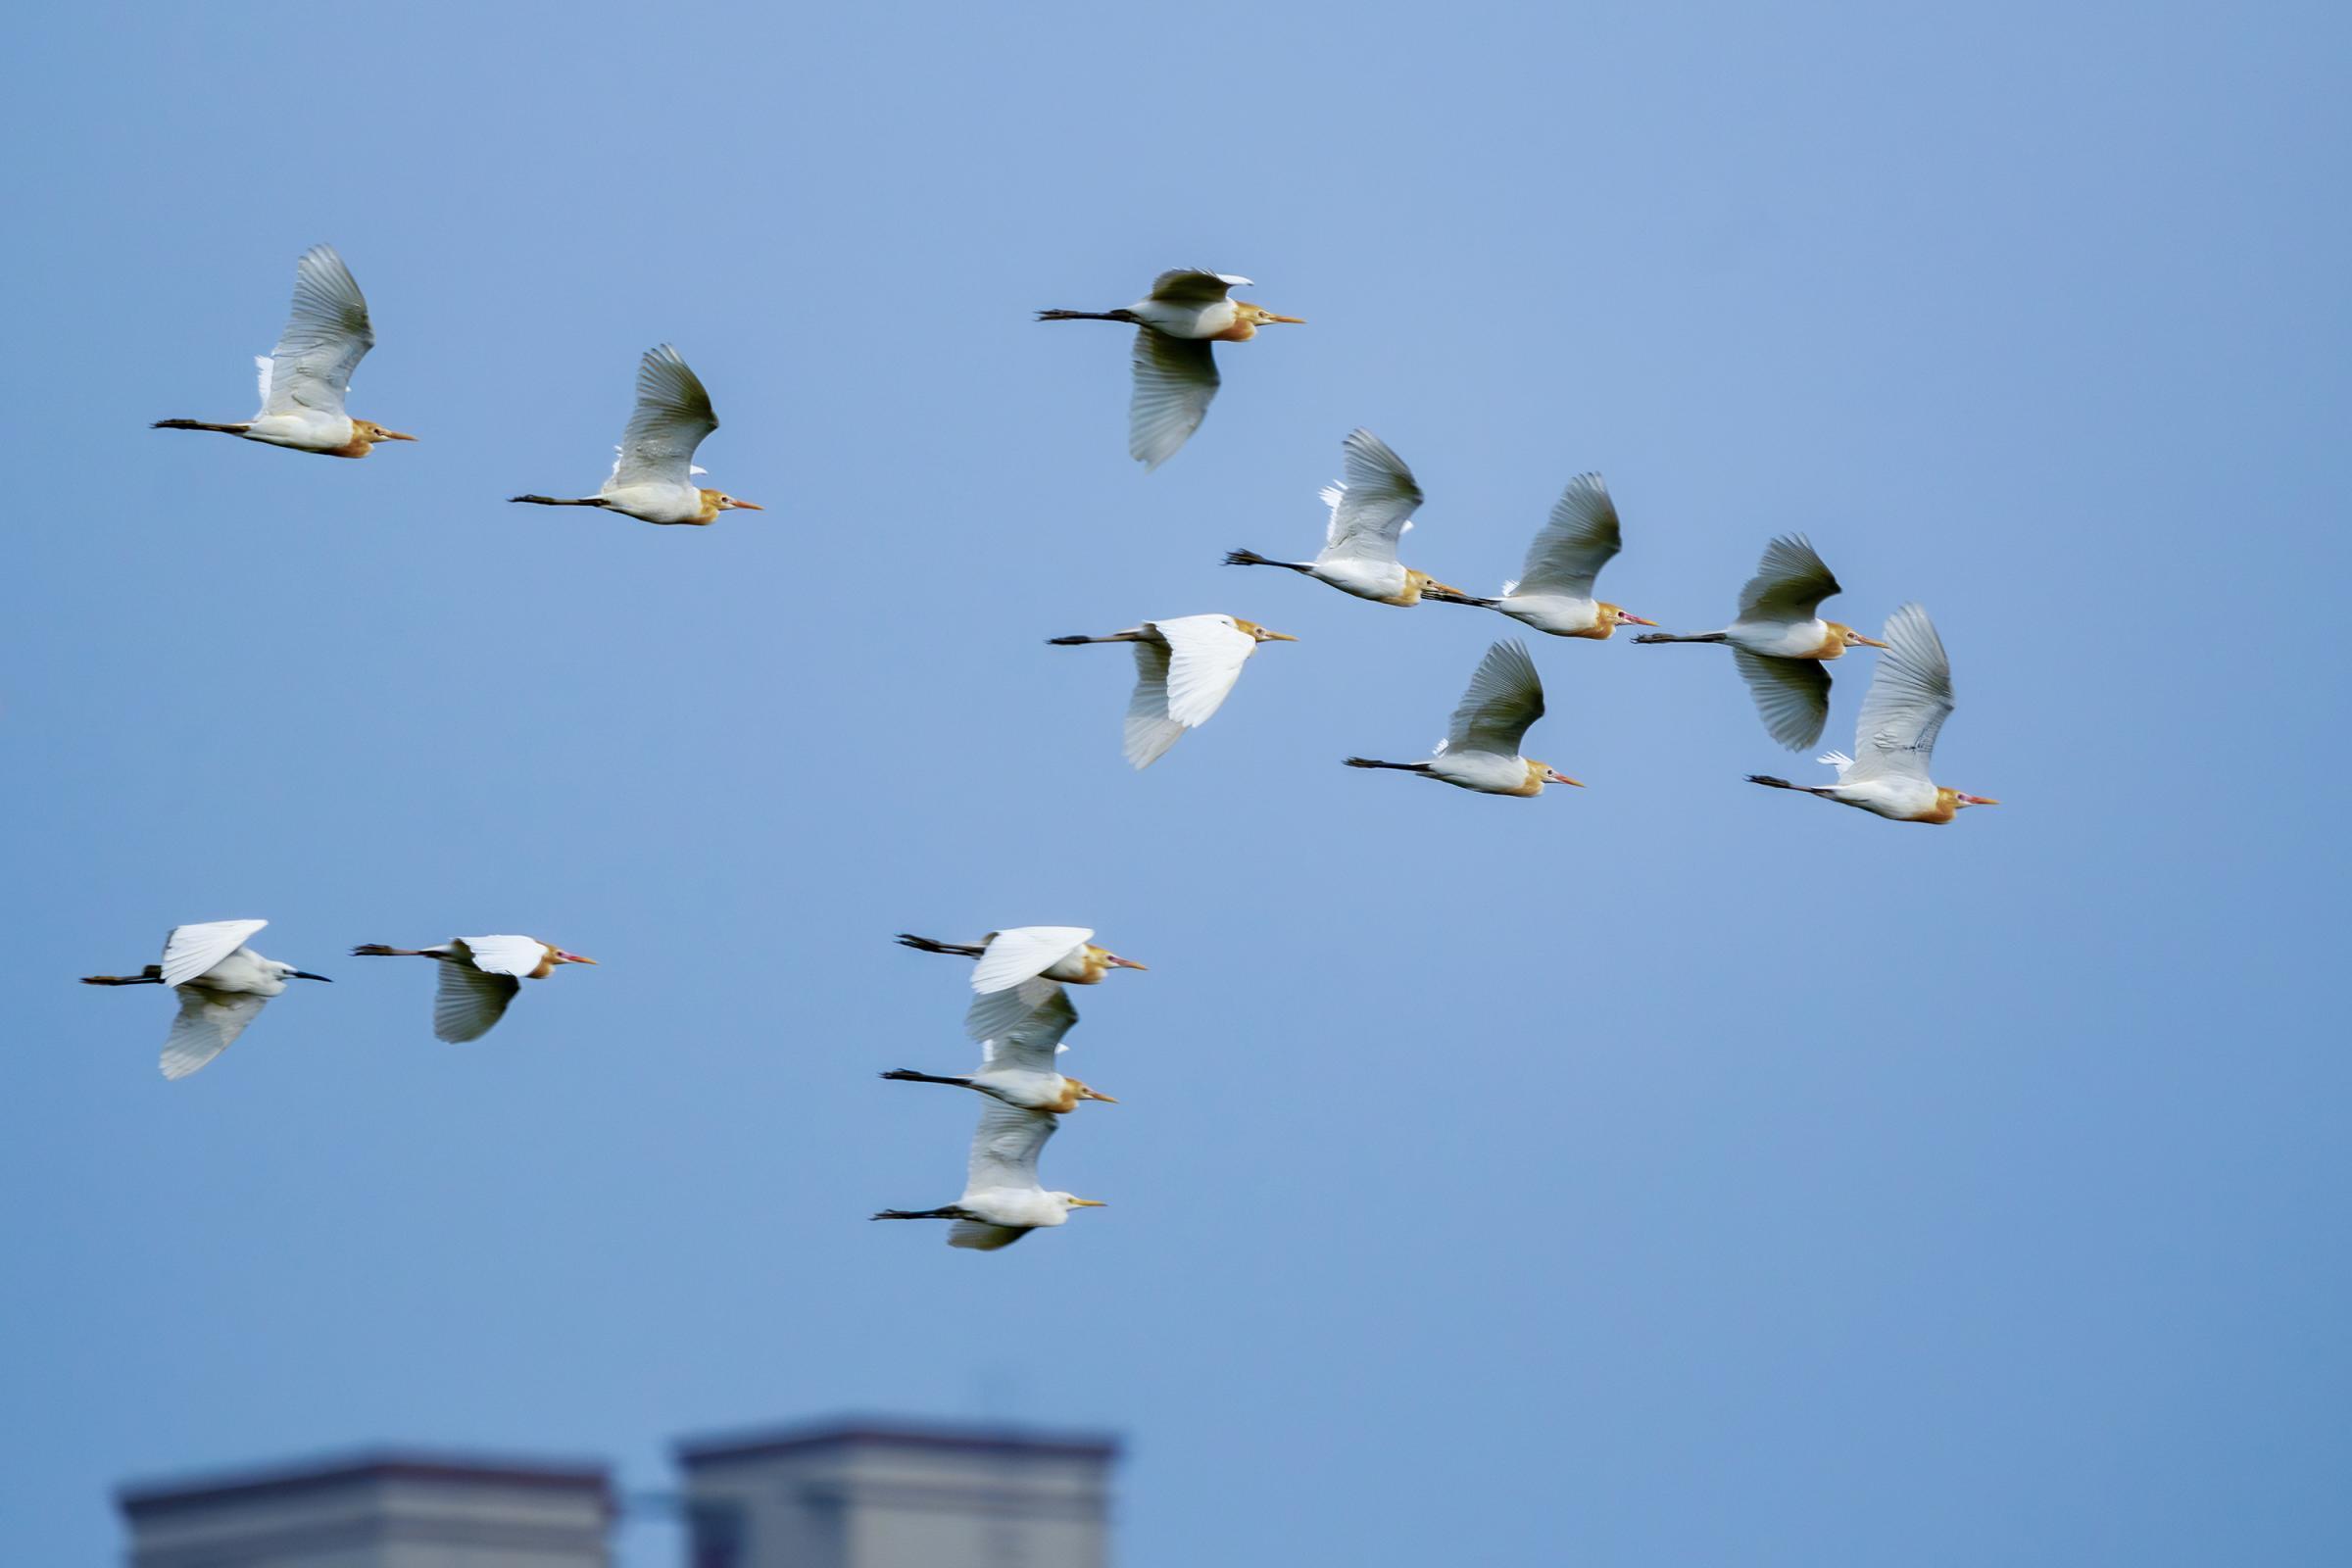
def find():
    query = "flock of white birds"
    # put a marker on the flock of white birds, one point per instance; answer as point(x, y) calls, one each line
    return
point(1184, 668)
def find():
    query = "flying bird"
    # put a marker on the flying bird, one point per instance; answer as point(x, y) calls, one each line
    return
point(1910, 697)
point(306, 380)
point(479, 976)
point(1019, 1068)
point(1481, 748)
point(1020, 968)
point(1175, 370)
point(1183, 670)
point(1781, 643)
point(653, 478)
point(1370, 510)
point(1553, 591)
point(223, 985)
point(1001, 1200)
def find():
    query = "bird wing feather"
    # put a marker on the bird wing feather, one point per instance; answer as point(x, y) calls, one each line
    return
point(326, 336)
point(1575, 543)
point(982, 1237)
point(1374, 503)
point(1005, 1147)
point(510, 954)
point(1789, 583)
point(1025, 951)
point(671, 418)
point(1186, 286)
point(1149, 731)
point(994, 1013)
point(1910, 697)
point(1175, 380)
point(1504, 696)
point(1031, 1045)
point(1793, 695)
point(208, 1024)
point(190, 949)
point(467, 1001)
point(1207, 654)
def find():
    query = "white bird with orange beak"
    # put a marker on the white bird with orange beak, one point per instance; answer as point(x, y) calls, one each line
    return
point(306, 380)
point(222, 986)
point(1781, 643)
point(478, 977)
point(1175, 368)
point(1553, 591)
point(1001, 1200)
point(1020, 1068)
point(1481, 748)
point(1910, 697)
point(1019, 969)
point(653, 478)
point(1184, 668)
point(1371, 510)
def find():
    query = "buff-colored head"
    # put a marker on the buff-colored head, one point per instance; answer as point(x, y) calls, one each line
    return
point(1607, 617)
point(1258, 314)
point(1417, 583)
point(1261, 634)
point(1099, 962)
point(1539, 775)
point(1847, 637)
point(1955, 800)
point(719, 501)
point(370, 431)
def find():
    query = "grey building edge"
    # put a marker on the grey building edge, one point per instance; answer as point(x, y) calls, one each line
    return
point(153, 1499)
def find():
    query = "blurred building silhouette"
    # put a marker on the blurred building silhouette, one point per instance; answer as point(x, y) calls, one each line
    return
point(866, 1493)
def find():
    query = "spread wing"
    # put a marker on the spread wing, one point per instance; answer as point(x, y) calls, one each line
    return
point(996, 1013)
point(326, 336)
point(1793, 695)
point(469, 1001)
point(672, 418)
point(982, 1237)
point(1207, 654)
point(1789, 583)
point(1150, 729)
point(1183, 286)
point(190, 949)
point(1373, 505)
point(1910, 697)
point(1031, 1045)
point(1578, 540)
point(514, 955)
point(1024, 951)
point(1175, 378)
point(208, 1024)
point(1004, 1148)
point(1504, 698)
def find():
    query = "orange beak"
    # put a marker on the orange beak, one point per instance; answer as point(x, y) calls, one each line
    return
point(1559, 777)
point(1294, 320)
point(396, 435)
point(1870, 641)
point(745, 505)
point(1114, 961)
point(579, 958)
point(1979, 800)
point(1632, 620)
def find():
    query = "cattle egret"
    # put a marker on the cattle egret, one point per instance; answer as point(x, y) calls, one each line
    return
point(1481, 748)
point(1910, 697)
point(305, 380)
point(1019, 1067)
point(653, 478)
point(223, 985)
point(1555, 589)
point(1002, 1202)
point(1183, 670)
point(1019, 969)
point(1175, 370)
point(479, 976)
point(1370, 509)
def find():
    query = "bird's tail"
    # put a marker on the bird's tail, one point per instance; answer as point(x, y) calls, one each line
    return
point(961, 949)
point(1678, 637)
point(558, 500)
point(1085, 316)
point(199, 424)
point(1402, 768)
point(152, 975)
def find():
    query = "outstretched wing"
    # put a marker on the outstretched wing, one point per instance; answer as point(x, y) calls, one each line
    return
point(1578, 540)
point(1150, 729)
point(514, 955)
point(1004, 1148)
point(1207, 654)
point(1793, 695)
point(1910, 697)
point(190, 949)
point(326, 336)
point(671, 418)
point(1504, 698)
point(1175, 379)
point(981, 1238)
point(469, 1001)
point(1031, 1045)
point(208, 1024)
point(994, 1013)
point(1789, 583)
point(1183, 286)
point(1024, 951)
point(1373, 505)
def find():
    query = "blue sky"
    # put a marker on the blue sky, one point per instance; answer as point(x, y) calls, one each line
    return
point(1666, 1171)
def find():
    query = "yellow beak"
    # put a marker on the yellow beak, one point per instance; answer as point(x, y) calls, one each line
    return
point(1276, 636)
point(1295, 320)
point(395, 435)
point(1870, 641)
point(1088, 1203)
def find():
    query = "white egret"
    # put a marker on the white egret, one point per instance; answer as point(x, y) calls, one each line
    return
point(1553, 591)
point(478, 977)
point(222, 986)
point(1019, 1067)
point(1002, 1200)
point(1481, 748)
point(1780, 641)
point(1370, 510)
point(1175, 369)
point(1020, 968)
point(653, 478)
point(1183, 670)
point(304, 382)
point(1910, 697)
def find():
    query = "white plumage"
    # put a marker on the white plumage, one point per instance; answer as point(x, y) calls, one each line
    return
point(221, 983)
point(1553, 591)
point(653, 476)
point(1371, 509)
point(1481, 748)
point(1001, 1200)
point(1184, 669)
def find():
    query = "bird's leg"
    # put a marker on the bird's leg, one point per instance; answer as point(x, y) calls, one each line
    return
point(152, 975)
point(1402, 768)
point(1770, 782)
point(1674, 637)
point(199, 424)
point(907, 1075)
point(1446, 596)
point(1087, 315)
point(1115, 637)
point(377, 950)
point(558, 500)
point(926, 945)
point(1250, 558)
point(949, 1212)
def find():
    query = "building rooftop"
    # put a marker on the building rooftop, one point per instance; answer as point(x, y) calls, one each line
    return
point(151, 1499)
point(965, 1438)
